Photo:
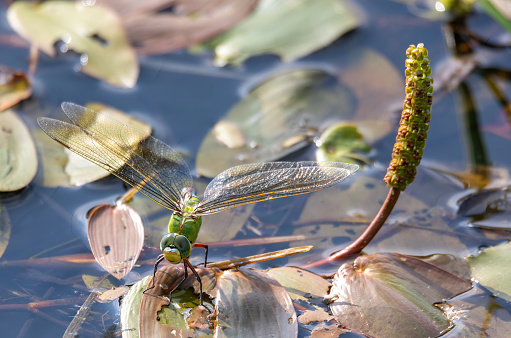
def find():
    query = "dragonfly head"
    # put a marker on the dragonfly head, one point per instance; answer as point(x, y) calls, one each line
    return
point(175, 247)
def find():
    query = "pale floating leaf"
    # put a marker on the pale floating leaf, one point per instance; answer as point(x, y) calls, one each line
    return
point(113, 294)
point(82, 171)
point(53, 161)
point(116, 237)
point(130, 308)
point(225, 225)
point(279, 116)
point(250, 303)
point(492, 268)
point(301, 284)
point(94, 32)
point(153, 31)
point(14, 87)
point(285, 27)
point(5, 230)
point(382, 292)
point(18, 157)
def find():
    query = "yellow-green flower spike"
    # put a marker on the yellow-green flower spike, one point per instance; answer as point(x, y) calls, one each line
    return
point(413, 130)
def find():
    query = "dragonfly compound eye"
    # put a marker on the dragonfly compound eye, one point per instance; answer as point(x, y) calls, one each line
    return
point(175, 247)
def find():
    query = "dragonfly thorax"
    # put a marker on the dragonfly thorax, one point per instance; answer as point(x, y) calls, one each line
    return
point(184, 221)
point(175, 247)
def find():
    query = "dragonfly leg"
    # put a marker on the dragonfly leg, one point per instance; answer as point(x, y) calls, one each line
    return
point(187, 262)
point(158, 261)
point(205, 246)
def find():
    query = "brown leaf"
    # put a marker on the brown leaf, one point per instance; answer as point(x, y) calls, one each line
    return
point(14, 87)
point(190, 22)
point(383, 292)
point(116, 237)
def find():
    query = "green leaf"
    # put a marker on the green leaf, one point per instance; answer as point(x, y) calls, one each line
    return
point(492, 268)
point(18, 157)
point(289, 28)
point(93, 31)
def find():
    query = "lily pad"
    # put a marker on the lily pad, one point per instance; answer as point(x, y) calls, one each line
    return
point(279, 116)
point(285, 27)
point(14, 87)
point(18, 157)
point(382, 293)
point(130, 308)
point(95, 32)
point(492, 268)
point(116, 237)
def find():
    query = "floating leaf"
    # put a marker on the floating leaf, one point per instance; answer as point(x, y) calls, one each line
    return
point(278, 117)
point(492, 268)
point(191, 22)
point(116, 237)
point(62, 167)
point(300, 283)
point(381, 293)
point(270, 311)
point(130, 308)
point(18, 157)
point(5, 230)
point(285, 27)
point(92, 31)
point(14, 87)
point(95, 282)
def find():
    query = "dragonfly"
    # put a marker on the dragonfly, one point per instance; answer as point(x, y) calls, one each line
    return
point(159, 172)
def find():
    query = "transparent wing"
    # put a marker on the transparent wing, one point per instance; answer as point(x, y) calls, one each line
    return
point(263, 181)
point(137, 158)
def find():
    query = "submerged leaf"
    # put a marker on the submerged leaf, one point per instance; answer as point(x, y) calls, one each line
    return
point(382, 293)
point(14, 87)
point(492, 268)
point(116, 237)
point(288, 28)
point(153, 31)
point(348, 142)
point(5, 229)
point(279, 116)
point(18, 157)
point(92, 31)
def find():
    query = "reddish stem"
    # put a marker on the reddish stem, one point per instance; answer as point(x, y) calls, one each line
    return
point(371, 231)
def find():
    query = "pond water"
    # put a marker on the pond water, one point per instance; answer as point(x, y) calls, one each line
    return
point(182, 95)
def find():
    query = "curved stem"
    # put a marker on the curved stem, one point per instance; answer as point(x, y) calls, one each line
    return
point(371, 231)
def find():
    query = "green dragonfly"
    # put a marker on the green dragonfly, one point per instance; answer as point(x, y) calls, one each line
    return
point(159, 172)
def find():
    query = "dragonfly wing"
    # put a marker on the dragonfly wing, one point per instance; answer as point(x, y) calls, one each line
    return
point(156, 158)
point(263, 181)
